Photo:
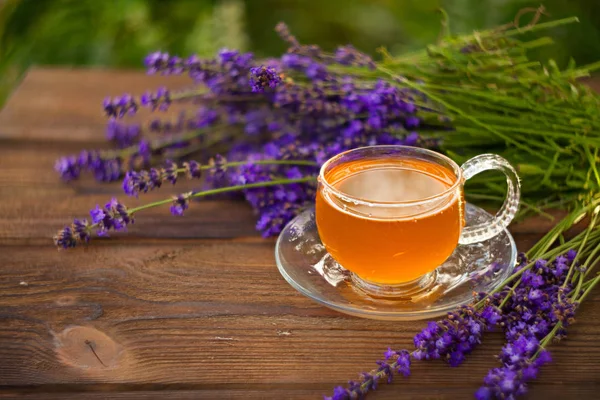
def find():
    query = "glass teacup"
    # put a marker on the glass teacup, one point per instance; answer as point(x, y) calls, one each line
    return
point(392, 214)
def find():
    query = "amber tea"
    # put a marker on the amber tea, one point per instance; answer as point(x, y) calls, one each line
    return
point(393, 219)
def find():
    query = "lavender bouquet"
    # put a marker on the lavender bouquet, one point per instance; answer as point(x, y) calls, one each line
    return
point(260, 129)
point(263, 127)
point(533, 308)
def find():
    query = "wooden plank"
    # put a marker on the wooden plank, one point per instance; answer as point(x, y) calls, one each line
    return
point(175, 314)
point(291, 392)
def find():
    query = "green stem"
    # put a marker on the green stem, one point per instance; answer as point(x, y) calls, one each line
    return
point(464, 115)
point(547, 339)
point(591, 262)
point(591, 286)
point(585, 238)
point(533, 28)
point(227, 189)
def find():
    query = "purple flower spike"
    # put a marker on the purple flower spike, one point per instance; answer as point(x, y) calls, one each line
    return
point(171, 172)
point(483, 393)
point(160, 100)
point(395, 362)
point(121, 134)
point(492, 316)
point(137, 182)
point(114, 215)
point(450, 339)
point(181, 203)
point(82, 230)
point(262, 78)
point(65, 238)
point(339, 393)
point(316, 72)
point(68, 168)
point(120, 106)
point(192, 169)
point(107, 170)
point(411, 139)
point(294, 61)
point(403, 362)
point(348, 55)
point(145, 151)
point(143, 181)
point(411, 122)
point(104, 169)
point(156, 62)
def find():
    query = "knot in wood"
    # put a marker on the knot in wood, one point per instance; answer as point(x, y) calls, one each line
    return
point(88, 348)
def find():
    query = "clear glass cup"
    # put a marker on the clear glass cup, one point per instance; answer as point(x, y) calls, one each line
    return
point(393, 247)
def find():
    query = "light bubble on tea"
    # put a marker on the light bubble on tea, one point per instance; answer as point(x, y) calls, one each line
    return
point(391, 184)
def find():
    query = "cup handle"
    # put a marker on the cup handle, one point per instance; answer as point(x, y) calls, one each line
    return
point(487, 230)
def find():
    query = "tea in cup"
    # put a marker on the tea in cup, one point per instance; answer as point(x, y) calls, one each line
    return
point(393, 214)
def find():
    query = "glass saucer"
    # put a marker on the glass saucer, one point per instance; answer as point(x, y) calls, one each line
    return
point(479, 267)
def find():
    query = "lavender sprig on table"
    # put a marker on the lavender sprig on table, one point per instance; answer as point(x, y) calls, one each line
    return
point(116, 216)
point(533, 307)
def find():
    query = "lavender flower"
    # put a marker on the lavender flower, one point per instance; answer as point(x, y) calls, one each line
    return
point(217, 172)
point(143, 181)
point(511, 380)
point(71, 236)
point(295, 62)
point(82, 230)
point(120, 106)
point(275, 205)
point(450, 339)
point(146, 180)
point(262, 78)
point(144, 151)
point(65, 238)
point(68, 168)
point(348, 55)
point(163, 63)
point(317, 72)
point(395, 362)
point(105, 169)
point(122, 135)
point(171, 172)
point(113, 216)
point(192, 169)
point(161, 99)
point(230, 73)
point(181, 203)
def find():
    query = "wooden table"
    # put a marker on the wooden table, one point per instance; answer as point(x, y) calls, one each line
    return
point(188, 307)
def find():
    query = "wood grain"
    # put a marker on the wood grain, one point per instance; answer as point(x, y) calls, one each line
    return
point(188, 307)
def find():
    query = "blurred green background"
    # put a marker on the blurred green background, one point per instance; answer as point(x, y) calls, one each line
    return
point(119, 33)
